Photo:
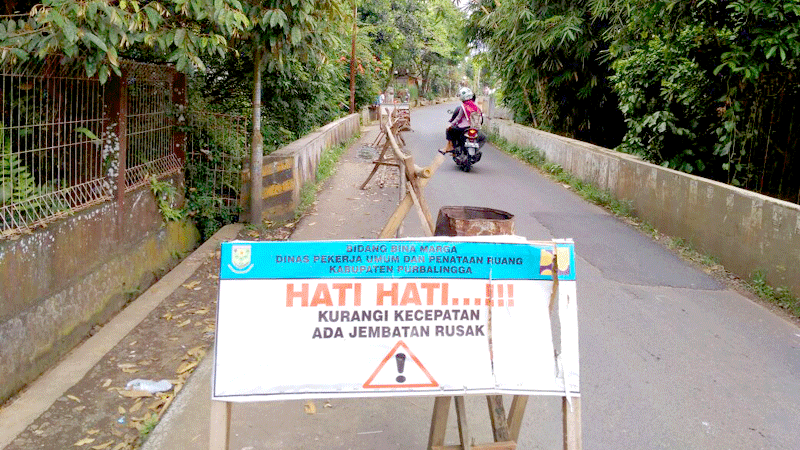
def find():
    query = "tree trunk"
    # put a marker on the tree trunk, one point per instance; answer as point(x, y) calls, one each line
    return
point(530, 106)
point(353, 63)
point(257, 145)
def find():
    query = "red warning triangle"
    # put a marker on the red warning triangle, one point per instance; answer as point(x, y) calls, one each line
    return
point(400, 369)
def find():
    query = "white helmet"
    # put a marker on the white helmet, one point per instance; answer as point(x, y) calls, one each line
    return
point(465, 94)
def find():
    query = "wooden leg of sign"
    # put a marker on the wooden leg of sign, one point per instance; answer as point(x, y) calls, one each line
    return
point(515, 415)
point(572, 424)
point(436, 439)
point(463, 428)
point(498, 415)
point(220, 427)
point(441, 408)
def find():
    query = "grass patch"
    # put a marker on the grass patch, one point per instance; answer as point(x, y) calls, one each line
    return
point(780, 296)
point(147, 426)
point(536, 158)
point(325, 169)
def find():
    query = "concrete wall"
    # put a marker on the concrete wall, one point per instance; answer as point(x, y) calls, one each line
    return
point(286, 170)
point(745, 231)
point(60, 281)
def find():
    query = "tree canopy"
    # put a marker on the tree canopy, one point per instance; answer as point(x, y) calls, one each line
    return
point(97, 31)
point(415, 37)
point(704, 86)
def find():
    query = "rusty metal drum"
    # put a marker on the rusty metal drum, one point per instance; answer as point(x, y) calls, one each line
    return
point(473, 221)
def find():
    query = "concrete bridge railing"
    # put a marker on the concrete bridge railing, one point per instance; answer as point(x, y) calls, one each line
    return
point(286, 170)
point(745, 231)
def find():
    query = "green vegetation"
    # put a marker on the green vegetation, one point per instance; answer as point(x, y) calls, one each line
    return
point(147, 426)
point(778, 296)
point(758, 285)
point(19, 188)
point(537, 159)
point(421, 39)
point(165, 194)
point(16, 182)
point(708, 87)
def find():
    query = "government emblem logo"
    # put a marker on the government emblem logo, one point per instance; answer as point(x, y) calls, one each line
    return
point(240, 258)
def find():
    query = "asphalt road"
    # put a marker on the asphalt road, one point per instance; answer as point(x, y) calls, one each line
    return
point(670, 358)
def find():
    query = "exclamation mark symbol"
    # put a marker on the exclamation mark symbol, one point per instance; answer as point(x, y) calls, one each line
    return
point(510, 295)
point(400, 359)
point(500, 301)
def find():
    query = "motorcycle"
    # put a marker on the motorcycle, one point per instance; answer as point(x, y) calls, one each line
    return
point(467, 150)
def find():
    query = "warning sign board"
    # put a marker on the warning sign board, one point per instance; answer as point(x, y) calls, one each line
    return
point(395, 317)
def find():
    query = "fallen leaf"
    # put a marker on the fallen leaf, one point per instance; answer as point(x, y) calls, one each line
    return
point(103, 446)
point(180, 305)
point(134, 394)
point(310, 408)
point(130, 370)
point(156, 404)
point(119, 446)
point(167, 316)
point(184, 323)
point(198, 352)
point(73, 398)
point(135, 406)
point(120, 410)
point(166, 405)
point(92, 432)
point(133, 343)
point(107, 383)
point(191, 285)
point(83, 442)
point(186, 366)
point(202, 311)
point(126, 366)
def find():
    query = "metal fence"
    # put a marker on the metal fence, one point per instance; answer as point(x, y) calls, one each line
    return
point(218, 150)
point(151, 116)
point(62, 135)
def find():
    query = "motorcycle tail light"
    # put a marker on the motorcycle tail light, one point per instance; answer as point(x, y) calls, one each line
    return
point(472, 133)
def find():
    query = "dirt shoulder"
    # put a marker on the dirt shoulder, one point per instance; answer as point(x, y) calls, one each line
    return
point(98, 412)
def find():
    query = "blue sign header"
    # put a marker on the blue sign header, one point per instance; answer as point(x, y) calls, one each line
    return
point(396, 259)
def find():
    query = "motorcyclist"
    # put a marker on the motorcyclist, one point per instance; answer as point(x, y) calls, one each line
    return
point(460, 119)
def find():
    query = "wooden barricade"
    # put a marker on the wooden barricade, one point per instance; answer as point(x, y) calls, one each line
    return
point(398, 121)
point(415, 179)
